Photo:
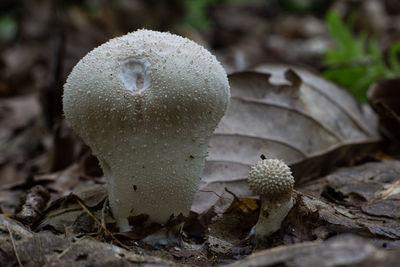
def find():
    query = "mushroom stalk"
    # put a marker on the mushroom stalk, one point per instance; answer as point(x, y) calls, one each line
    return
point(146, 103)
point(272, 213)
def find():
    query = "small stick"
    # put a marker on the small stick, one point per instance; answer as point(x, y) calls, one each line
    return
point(64, 252)
point(210, 191)
point(233, 194)
point(101, 225)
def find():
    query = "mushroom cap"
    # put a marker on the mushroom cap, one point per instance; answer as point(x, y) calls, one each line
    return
point(144, 88)
point(142, 77)
point(270, 177)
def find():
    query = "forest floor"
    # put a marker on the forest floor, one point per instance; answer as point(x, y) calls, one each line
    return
point(344, 154)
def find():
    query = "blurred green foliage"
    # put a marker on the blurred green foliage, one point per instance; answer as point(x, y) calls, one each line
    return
point(356, 62)
point(8, 27)
point(197, 12)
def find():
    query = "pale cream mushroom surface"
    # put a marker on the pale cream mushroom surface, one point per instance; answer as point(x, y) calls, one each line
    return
point(272, 180)
point(146, 104)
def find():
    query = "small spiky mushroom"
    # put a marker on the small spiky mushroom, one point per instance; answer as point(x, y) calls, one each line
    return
point(273, 181)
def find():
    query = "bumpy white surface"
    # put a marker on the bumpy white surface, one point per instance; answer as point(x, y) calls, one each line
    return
point(146, 103)
point(272, 213)
point(271, 177)
point(273, 181)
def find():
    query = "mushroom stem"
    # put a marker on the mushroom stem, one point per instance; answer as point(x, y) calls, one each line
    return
point(136, 186)
point(272, 213)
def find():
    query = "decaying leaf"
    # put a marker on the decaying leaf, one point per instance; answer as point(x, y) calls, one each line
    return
point(324, 162)
point(373, 187)
point(345, 250)
point(313, 218)
point(45, 248)
point(35, 202)
point(63, 182)
point(67, 215)
point(283, 112)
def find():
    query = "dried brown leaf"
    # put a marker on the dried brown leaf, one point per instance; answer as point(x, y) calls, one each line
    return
point(47, 249)
point(35, 202)
point(373, 187)
point(283, 112)
point(66, 214)
point(345, 250)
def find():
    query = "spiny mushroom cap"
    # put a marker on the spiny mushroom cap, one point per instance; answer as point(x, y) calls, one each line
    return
point(270, 177)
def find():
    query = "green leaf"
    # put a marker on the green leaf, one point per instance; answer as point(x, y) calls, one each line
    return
point(8, 27)
point(356, 61)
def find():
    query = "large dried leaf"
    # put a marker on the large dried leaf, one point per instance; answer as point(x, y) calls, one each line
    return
point(312, 218)
point(373, 188)
point(345, 250)
point(283, 112)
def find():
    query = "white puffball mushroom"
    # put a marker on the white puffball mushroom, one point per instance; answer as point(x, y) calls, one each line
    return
point(273, 181)
point(146, 103)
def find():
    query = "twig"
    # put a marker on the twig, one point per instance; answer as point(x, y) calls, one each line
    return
point(238, 199)
point(390, 189)
point(210, 191)
point(233, 194)
point(100, 224)
point(14, 247)
point(64, 252)
point(103, 212)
